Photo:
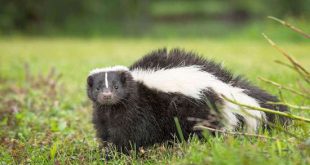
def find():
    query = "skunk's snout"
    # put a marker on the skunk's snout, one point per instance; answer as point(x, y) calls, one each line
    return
point(105, 95)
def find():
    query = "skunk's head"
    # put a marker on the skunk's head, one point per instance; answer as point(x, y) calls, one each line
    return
point(110, 86)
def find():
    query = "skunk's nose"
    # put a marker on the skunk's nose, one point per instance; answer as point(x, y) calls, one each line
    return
point(107, 95)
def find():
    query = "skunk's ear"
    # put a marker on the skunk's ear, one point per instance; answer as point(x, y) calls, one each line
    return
point(125, 76)
point(90, 81)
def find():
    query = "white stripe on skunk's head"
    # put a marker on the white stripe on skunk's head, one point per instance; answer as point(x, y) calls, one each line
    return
point(109, 69)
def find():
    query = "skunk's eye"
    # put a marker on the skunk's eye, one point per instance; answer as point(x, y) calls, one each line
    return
point(97, 89)
point(115, 87)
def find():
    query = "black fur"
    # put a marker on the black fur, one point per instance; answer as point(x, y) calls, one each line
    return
point(178, 57)
point(140, 116)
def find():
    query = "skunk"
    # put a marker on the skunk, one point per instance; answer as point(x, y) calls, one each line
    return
point(136, 106)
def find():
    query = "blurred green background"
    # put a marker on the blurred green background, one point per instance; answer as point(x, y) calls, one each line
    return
point(146, 18)
point(45, 116)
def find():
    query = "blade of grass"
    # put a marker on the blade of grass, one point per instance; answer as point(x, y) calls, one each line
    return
point(179, 129)
point(53, 150)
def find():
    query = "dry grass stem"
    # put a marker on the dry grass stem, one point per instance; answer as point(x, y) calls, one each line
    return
point(291, 105)
point(284, 87)
point(290, 26)
point(284, 64)
point(200, 127)
point(288, 115)
point(298, 67)
point(275, 126)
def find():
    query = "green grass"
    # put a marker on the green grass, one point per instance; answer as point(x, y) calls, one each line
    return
point(46, 124)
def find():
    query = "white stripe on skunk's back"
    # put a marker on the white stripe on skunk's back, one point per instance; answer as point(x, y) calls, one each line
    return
point(191, 80)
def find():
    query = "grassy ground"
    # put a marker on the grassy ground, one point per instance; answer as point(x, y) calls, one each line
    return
point(45, 116)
